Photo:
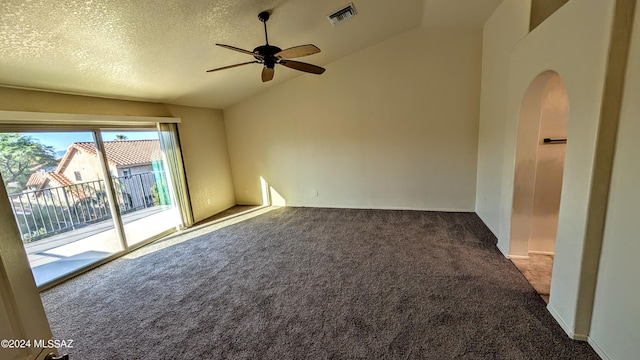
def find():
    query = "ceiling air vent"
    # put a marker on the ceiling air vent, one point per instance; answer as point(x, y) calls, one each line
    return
point(341, 15)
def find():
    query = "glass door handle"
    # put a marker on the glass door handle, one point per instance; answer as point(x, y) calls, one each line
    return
point(53, 356)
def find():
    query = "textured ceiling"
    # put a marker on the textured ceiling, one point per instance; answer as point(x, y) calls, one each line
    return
point(159, 50)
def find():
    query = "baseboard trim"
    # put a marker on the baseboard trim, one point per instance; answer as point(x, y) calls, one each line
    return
point(550, 253)
point(598, 349)
point(565, 327)
point(580, 337)
point(560, 321)
point(505, 252)
point(357, 207)
point(487, 224)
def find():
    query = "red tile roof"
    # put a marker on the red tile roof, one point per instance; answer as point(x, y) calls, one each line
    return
point(125, 152)
point(39, 178)
point(35, 179)
point(119, 153)
point(59, 178)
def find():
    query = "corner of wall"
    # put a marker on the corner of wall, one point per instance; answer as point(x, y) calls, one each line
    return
point(206, 159)
point(508, 25)
point(567, 329)
point(504, 250)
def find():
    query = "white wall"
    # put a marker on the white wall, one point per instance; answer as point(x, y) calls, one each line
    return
point(574, 42)
point(392, 126)
point(615, 326)
point(508, 25)
point(549, 168)
point(206, 160)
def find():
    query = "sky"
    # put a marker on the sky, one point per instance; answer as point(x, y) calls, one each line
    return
point(61, 140)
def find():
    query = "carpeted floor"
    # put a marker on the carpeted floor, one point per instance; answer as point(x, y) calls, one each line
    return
point(230, 212)
point(308, 283)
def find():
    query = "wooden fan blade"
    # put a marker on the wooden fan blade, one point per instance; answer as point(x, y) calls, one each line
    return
point(297, 65)
point(232, 66)
point(239, 50)
point(298, 51)
point(267, 74)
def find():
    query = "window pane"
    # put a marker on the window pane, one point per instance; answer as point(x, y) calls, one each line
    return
point(59, 200)
point(141, 183)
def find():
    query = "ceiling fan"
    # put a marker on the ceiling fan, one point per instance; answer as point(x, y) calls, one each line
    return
point(270, 55)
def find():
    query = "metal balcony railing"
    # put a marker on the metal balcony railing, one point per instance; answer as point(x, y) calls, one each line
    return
point(47, 212)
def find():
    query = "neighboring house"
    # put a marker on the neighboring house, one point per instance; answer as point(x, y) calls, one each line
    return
point(124, 157)
point(47, 179)
point(130, 162)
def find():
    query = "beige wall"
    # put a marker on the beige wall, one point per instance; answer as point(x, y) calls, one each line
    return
point(201, 135)
point(549, 168)
point(206, 160)
point(524, 180)
point(615, 327)
point(392, 126)
point(508, 25)
point(538, 167)
point(21, 313)
point(574, 42)
point(86, 164)
point(542, 9)
point(42, 101)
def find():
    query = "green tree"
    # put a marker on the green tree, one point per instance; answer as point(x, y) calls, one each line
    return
point(121, 137)
point(20, 155)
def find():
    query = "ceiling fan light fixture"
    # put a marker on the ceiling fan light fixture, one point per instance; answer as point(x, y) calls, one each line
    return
point(342, 15)
point(269, 56)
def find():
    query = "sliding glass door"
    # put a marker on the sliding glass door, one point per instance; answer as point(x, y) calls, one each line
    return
point(82, 197)
point(140, 183)
point(59, 198)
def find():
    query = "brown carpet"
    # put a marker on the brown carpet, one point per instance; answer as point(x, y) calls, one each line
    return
point(308, 283)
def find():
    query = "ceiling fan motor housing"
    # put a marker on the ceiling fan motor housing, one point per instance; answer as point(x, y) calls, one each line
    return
point(267, 54)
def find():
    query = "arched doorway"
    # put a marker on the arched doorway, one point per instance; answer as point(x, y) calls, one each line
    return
point(540, 153)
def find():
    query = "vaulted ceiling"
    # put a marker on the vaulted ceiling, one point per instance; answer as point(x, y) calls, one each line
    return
point(159, 50)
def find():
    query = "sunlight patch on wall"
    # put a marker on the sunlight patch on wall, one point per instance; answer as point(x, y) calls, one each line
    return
point(276, 198)
point(271, 196)
point(264, 186)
